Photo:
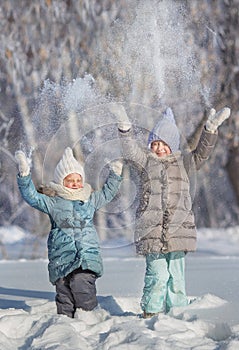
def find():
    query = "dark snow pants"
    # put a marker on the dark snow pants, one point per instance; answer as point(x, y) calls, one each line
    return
point(76, 290)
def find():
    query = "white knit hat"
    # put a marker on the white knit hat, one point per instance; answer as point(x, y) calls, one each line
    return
point(68, 165)
point(166, 130)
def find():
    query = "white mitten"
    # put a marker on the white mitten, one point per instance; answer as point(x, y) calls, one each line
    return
point(120, 113)
point(216, 119)
point(23, 163)
point(117, 167)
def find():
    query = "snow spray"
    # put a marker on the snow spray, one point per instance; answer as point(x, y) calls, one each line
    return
point(152, 44)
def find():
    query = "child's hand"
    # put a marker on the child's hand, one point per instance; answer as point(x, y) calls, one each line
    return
point(23, 163)
point(216, 119)
point(117, 167)
point(123, 121)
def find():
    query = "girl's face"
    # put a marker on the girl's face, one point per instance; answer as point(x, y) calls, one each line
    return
point(160, 148)
point(73, 181)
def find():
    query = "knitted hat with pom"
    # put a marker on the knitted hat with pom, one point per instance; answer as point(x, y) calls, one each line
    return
point(68, 165)
point(166, 130)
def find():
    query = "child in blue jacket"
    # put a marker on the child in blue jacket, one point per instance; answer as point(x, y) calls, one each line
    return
point(73, 245)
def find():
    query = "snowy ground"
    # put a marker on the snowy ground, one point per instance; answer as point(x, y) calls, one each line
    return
point(28, 318)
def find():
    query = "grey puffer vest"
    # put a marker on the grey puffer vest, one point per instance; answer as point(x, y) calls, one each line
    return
point(164, 218)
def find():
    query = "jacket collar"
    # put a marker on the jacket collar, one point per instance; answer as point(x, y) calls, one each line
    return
point(168, 159)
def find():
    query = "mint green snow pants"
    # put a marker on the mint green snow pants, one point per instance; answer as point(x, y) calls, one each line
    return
point(164, 282)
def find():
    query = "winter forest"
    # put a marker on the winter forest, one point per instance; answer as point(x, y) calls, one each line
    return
point(62, 62)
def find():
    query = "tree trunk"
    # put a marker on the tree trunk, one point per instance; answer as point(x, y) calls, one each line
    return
point(232, 167)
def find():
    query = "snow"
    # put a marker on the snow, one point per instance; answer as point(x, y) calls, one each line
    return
point(28, 319)
point(12, 234)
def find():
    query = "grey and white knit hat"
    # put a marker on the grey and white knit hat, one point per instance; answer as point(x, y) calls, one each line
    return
point(166, 130)
point(68, 165)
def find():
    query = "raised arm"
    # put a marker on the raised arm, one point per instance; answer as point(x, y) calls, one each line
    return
point(130, 147)
point(209, 135)
point(110, 188)
point(27, 188)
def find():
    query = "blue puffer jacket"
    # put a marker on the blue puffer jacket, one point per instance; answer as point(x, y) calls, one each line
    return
point(73, 240)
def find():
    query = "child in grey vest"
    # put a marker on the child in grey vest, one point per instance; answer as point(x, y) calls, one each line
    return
point(165, 226)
